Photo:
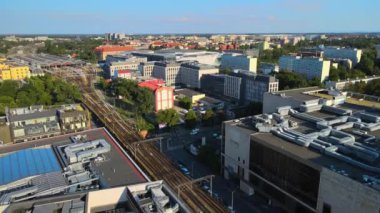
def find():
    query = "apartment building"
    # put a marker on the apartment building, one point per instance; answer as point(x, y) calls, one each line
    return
point(317, 160)
point(238, 61)
point(13, 71)
point(338, 53)
point(309, 67)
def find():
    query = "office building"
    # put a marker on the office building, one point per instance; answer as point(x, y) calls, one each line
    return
point(146, 69)
point(309, 67)
point(169, 72)
point(163, 95)
point(213, 84)
point(232, 87)
point(180, 56)
point(238, 61)
point(191, 73)
point(352, 54)
point(122, 66)
point(253, 86)
point(319, 158)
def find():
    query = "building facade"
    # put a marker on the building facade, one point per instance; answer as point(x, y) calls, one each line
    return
point(11, 71)
point(169, 72)
point(253, 86)
point(115, 64)
point(191, 73)
point(309, 67)
point(238, 61)
point(163, 95)
point(343, 53)
point(146, 69)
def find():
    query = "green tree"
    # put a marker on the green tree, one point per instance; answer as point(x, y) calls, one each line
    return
point(185, 103)
point(144, 100)
point(191, 119)
point(208, 117)
point(290, 80)
point(169, 117)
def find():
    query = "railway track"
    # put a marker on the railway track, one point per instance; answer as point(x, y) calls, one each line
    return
point(149, 158)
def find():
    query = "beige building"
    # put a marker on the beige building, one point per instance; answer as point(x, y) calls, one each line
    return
point(309, 67)
point(238, 61)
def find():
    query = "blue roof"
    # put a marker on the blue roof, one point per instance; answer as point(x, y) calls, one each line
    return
point(28, 162)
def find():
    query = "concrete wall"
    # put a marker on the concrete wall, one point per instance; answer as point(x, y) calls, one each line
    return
point(105, 198)
point(237, 148)
point(346, 195)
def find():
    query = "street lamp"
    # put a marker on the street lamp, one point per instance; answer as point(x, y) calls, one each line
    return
point(232, 200)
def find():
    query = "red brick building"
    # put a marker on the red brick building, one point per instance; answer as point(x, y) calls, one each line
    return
point(163, 95)
point(103, 51)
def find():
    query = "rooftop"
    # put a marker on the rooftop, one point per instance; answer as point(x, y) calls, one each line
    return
point(188, 92)
point(341, 138)
point(300, 94)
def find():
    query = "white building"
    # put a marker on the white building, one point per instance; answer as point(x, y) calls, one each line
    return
point(146, 69)
point(114, 64)
point(191, 73)
point(238, 61)
point(310, 67)
point(343, 53)
point(169, 72)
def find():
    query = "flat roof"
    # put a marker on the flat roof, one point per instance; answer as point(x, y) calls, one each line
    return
point(27, 162)
point(300, 93)
point(188, 92)
point(118, 169)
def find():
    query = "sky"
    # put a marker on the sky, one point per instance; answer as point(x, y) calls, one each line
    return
point(187, 16)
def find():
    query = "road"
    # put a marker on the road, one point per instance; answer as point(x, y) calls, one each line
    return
point(173, 147)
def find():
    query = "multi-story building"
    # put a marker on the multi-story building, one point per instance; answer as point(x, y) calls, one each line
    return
point(213, 84)
point(13, 71)
point(238, 61)
point(253, 86)
point(103, 51)
point(233, 86)
point(267, 68)
point(114, 36)
point(343, 53)
point(163, 95)
point(169, 72)
point(191, 73)
point(116, 65)
point(146, 69)
point(73, 118)
point(309, 67)
point(322, 160)
point(32, 123)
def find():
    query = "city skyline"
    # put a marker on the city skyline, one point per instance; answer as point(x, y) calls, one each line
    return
point(170, 17)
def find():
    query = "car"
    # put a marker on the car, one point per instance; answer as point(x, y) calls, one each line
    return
point(185, 171)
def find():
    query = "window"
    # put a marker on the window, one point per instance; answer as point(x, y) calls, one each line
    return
point(326, 208)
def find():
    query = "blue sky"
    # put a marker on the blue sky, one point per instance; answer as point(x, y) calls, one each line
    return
point(188, 16)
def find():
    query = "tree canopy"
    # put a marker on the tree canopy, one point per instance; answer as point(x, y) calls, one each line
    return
point(141, 97)
point(208, 117)
point(46, 90)
point(185, 103)
point(169, 117)
point(191, 119)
